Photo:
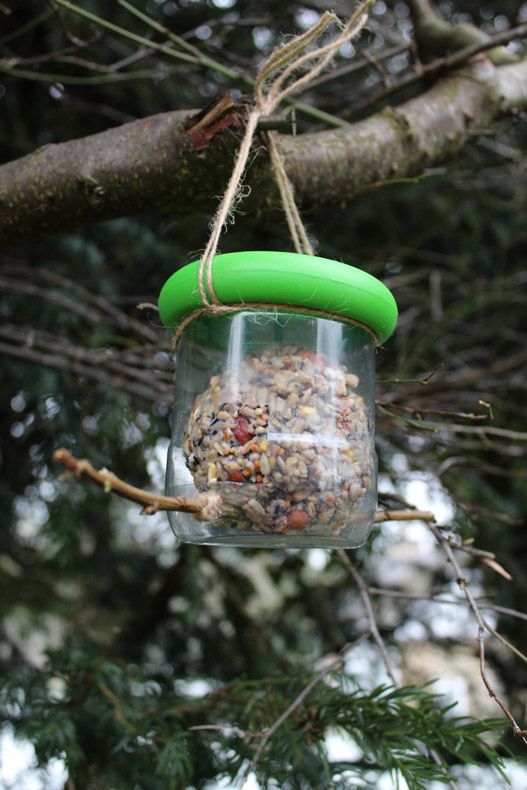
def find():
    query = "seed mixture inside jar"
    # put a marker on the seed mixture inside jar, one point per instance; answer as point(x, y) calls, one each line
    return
point(284, 439)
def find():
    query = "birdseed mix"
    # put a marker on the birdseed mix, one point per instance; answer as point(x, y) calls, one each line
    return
point(284, 439)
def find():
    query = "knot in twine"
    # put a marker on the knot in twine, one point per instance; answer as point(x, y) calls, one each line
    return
point(275, 82)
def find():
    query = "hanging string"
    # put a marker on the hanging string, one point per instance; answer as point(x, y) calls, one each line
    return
point(271, 88)
point(268, 94)
point(297, 228)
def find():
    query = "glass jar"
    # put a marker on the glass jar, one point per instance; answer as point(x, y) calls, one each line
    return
point(273, 420)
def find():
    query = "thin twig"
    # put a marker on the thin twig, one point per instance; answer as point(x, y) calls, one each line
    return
point(483, 627)
point(145, 368)
point(374, 630)
point(149, 392)
point(101, 79)
point(93, 307)
point(152, 503)
point(417, 412)
point(363, 589)
point(438, 66)
point(111, 483)
point(492, 693)
point(479, 430)
point(350, 68)
point(437, 598)
point(125, 33)
point(202, 60)
point(15, 285)
point(455, 379)
point(404, 515)
point(20, 31)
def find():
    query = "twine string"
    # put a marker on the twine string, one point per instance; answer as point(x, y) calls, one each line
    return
point(297, 229)
point(274, 83)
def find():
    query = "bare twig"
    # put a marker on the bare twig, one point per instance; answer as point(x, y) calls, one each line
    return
point(438, 598)
point(403, 515)
point(135, 366)
point(61, 300)
point(483, 628)
point(480, 430)
point(492, 693)
point(418, 412)
point(349, 68)
point(58, 361)
point(197, 57)
point(140, 373)
point(458, 379)
point(111, 483)
point(20, 31)
point(374, 630)
point(156, 502)
point(95, 308)
point(439, 66)
point(363, 589)
point(65, 29)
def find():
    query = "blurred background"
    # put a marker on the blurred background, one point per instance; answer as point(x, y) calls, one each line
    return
point(103, 613)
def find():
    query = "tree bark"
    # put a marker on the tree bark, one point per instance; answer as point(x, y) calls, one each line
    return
point(166, 162)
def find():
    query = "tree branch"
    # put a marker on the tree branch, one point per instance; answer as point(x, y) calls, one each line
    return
point(366, 600)
point(435, 36)
point(483, 629)
point(111, 483)
point(438, 598)
point(158, 164)
point(152, 503)
point(439, 66)
point(133, 373)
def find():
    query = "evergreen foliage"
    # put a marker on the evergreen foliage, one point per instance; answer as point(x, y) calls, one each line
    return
point(83, 703)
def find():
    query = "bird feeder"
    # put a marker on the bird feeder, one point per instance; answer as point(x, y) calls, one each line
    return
point(273, 421)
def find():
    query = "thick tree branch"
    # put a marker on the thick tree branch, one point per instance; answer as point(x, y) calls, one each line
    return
point(403, 141)
point(160, 164)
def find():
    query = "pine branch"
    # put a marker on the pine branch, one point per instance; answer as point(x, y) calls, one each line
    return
point(331, 665)
point(394, 727)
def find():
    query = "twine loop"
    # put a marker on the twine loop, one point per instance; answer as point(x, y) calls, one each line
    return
point(275, 82)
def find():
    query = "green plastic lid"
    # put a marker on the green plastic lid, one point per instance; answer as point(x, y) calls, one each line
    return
point(285, 278)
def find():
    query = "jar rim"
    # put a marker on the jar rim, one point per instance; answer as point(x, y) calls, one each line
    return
point(284, 278)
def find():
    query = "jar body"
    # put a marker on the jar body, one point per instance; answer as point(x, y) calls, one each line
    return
point(273, 425)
